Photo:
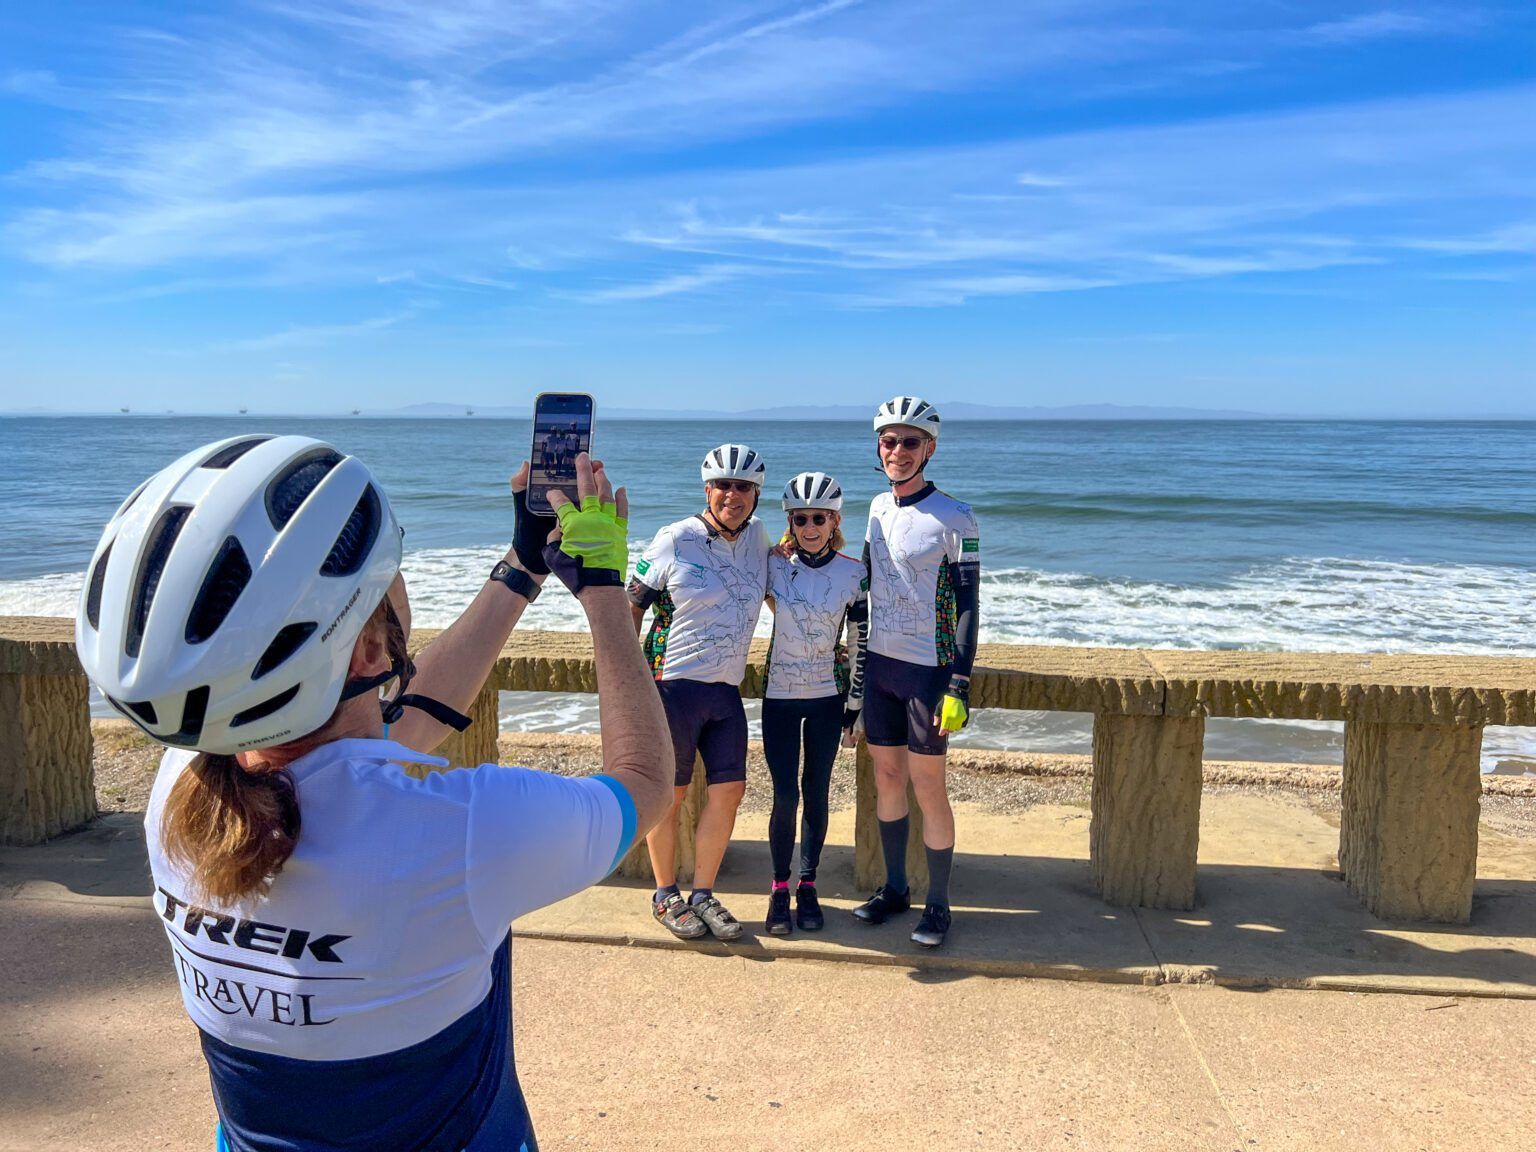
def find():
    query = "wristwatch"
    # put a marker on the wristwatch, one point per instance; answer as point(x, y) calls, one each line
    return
point(517, 580)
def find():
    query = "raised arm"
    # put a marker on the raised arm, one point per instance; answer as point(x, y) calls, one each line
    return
point(454, 667)
point(590, 557)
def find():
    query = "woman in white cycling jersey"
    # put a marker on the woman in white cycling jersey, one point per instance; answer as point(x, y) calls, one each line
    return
point(817, 594)
point(338, 928)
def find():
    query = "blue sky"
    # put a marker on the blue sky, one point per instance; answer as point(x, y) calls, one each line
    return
point(1320, 208)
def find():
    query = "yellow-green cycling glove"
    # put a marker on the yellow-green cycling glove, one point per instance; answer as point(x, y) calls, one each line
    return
point(955, 711)
point(592, 550)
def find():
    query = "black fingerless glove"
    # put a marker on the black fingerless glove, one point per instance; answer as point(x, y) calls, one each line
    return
point(529, 532)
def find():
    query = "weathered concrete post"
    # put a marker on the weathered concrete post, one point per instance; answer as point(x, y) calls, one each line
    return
point(637, 864)
point(475, 745)
point(1145, 826)
point(47, 779)
point(868, 858)
point(1408, 820)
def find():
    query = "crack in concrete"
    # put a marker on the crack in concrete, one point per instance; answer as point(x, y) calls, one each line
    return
point(1189, 1035)
point(1162, 972)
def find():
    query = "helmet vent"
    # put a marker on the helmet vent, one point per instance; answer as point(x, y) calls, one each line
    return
point(93, 597)
point(142, 712)
point(227, 455)
point(284, 644)
point(192, 714)
point(226, 579)
point(288, 492)
point(264, 709)
point(355, 541)
point(151, 570)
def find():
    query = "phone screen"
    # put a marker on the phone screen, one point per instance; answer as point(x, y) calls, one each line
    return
point(562, 427)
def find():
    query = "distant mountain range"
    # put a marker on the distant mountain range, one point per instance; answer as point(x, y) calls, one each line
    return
point(950, 411)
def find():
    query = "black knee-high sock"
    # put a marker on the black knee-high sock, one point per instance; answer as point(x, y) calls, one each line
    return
point(893, 842)
point(940, 860)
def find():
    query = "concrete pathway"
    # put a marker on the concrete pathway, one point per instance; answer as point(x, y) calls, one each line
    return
point(765, 1046)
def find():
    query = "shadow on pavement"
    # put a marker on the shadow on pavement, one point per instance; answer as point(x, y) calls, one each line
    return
point(1014, 915)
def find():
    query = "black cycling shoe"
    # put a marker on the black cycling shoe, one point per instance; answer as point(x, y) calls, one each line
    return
point(808, 909)
point(778, 923)
point(883, 904)
point(933, 927)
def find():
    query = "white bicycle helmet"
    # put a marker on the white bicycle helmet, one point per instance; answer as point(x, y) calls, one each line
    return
point(733, 462)
point(813, 490)
point(223, 602)
point(910, 410)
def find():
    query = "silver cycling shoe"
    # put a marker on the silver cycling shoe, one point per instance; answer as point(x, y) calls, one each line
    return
point(721, 923)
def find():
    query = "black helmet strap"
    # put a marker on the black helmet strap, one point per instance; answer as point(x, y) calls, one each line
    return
point(401, 668)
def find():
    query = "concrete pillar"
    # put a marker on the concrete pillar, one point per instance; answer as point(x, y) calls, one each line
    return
point(47, 778)
point(637, 864)
point(868, 857)
point(1408, 824)
point(475, 745)
point(1145, 827)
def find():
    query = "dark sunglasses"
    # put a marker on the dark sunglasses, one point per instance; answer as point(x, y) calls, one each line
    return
point(734, 485)
point(817, 518)
point(910, 443)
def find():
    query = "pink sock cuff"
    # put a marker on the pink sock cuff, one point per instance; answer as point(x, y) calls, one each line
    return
point(781, 884)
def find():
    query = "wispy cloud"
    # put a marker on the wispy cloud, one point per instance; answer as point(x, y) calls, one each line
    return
point(1369, 26)
point(666, 286)
point(313, 334)
point(416, 151)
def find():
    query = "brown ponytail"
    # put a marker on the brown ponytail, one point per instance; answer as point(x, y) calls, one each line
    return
point(231, 829)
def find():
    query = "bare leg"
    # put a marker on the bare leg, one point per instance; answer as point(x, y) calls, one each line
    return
point(890, 781)
point(716, 823)
point(928, 785)
point(661, 843)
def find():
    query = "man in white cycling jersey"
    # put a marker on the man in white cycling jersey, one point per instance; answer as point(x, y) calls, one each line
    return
point(706, 577)
point(922, 555)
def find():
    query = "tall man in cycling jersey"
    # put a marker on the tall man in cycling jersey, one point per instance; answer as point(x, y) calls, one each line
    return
point(922, 554)
point(706, 576)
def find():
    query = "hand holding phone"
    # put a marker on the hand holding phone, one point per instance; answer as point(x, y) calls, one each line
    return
point(562, 430)
point(530, 531)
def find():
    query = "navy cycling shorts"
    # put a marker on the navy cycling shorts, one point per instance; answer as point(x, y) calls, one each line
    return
point(707, 721)
point(900, 701)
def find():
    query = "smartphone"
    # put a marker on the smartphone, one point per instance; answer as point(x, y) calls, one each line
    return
point(562, 428)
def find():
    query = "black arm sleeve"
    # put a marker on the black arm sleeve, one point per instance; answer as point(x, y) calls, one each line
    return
point(641, 594)
point(966, 581)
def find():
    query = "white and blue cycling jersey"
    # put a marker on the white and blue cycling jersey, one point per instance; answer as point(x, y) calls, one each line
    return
point(365, 1001)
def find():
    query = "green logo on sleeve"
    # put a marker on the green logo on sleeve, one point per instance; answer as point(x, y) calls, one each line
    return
point(970, 544)
point(642, 568)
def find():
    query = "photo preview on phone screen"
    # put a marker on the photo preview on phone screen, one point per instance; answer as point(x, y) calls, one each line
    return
point(562, 428)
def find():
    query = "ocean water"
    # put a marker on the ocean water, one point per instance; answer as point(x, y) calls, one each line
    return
point(1327, 536)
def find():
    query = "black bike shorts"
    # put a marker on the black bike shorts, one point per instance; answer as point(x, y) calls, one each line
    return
point(706, 720)
point(900, 702)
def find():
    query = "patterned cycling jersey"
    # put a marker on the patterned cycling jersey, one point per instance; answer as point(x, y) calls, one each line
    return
point(712, 592)
point(811, 600)
point(364, 1002)
point(911, 546)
